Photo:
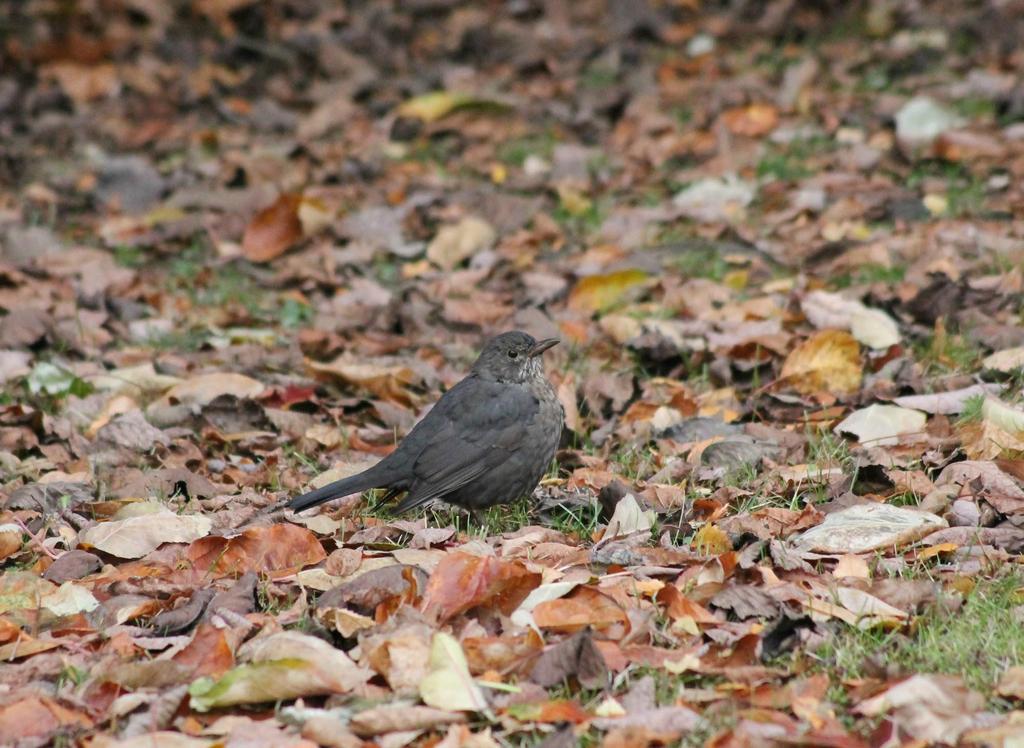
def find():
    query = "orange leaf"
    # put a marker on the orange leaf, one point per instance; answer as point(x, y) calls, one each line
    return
point(274, 229)
point(37, 717)
point(462, 581)
point(753, 120)
point(584, 607)
point(936, 550)
point(500, 653)
point(560, 710)
point(209, 653)
point(679, 606)
point(257, 549)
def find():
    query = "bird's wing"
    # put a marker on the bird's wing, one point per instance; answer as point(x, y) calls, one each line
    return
point(477, 425)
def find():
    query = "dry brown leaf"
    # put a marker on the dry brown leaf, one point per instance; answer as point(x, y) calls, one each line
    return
point(273, 230)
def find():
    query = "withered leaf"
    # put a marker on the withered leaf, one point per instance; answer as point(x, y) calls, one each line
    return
point(462, 581)
point(576, 657)
point(371, 588)
point(274, 229)
point(239, 599)
point(260, 549)
point(182, 618)
point(72, 565)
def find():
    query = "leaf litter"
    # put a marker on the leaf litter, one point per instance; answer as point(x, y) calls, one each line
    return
point(243, 250)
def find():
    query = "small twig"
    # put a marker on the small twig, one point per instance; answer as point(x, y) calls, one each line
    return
point(34, 539)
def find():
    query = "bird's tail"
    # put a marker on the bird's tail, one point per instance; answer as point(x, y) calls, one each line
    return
point(372, 478)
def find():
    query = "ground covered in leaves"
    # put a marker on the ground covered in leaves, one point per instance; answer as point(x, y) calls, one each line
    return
point(244, 245)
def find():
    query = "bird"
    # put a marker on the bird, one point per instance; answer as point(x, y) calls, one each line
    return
point(487, 441)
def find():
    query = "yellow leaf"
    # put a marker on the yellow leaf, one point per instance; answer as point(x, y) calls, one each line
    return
point(687, 625)
point(573, 201)
point(448, 684)
point(431, 107)
point(736, 279)
point(596, 293)
point(827, 361)
point(687, 663)
point(937, 205)
point(711, 541)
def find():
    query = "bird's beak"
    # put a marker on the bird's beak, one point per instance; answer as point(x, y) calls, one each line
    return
point(542, 345)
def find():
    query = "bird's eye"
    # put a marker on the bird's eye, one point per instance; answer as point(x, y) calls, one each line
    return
point(513, 354)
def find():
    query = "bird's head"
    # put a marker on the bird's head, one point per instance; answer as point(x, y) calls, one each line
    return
point(512, 357)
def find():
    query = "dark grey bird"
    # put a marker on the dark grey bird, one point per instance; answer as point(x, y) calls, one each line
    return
point(487, 441)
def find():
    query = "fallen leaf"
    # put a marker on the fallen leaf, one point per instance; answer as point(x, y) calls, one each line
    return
point(463, 581)
point(523, 615)
point(435, 105)
point(850, 565)
point(629, 518)
point(460, 241)
point(597, 293)
point(867, 527)
point(882, 425)
point(870, 611)
point(930, 708)
point(985, 479)
point(921, 120)
point(203, 389)
point(37, 717)
point(384, 719)
point(401, 655)
point(14, 364)
point(1006, 361)
point(448, 684)
point(585, 606)
point(871, 327)
point(828, 361)
point(753, 120)
point(386, 381)
point(274, 229)
point(84, 83)
point(998, 413)
point(209, 653)
point(710, 540)
point(284, 665)
point(1011, 684)
point(69, 599)
point(374, 587)
point(576, 657)
point(950, 402)
point(715, 200)
point(134, 537)
point(260, 548)
point(10, 540)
